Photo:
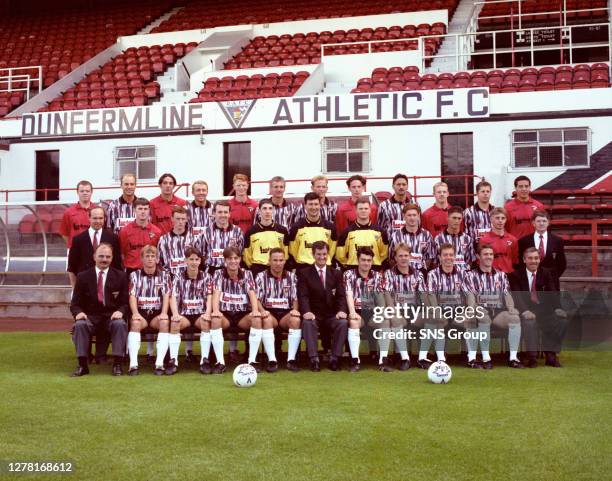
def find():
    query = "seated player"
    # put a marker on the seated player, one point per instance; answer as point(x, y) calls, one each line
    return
point(277, 294)
point(264, 235)
point(190, 305)
point(403, 285)
point(505, 245)
point(149, 302)
point(446, 288)
point(364, 287)
point(419, 240)
point(362, 233)
point(233, 295)
point(489, 289)
point(172, 245)
point(464, 244)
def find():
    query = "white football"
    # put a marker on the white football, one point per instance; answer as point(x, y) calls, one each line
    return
point(439, 373)
point(245, 375)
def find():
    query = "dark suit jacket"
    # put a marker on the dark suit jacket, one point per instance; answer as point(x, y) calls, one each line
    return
point(80, 257)
point(555, 254)
point(548, 294)
point(323, 303)
point(85, 294)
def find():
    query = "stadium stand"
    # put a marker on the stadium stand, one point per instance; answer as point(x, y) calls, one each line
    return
point(305, 48)
point(203, 14)
point(563, 77)
point(126, 80)
point(242, 87)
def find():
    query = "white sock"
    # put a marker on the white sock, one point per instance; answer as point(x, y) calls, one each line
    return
point(204, 345)
point(486, 357)
point(440, 355)
point(188, 346)
point(267, 338)
point(354, 339)
point(382, 355)
point(254, 341)
point(404, 355)
point(133, 342)
point(471, 355)
point(513, 355)
point(174, 341)
point(216, 339)
point(293, 339)
point(422, 355)
point(233, 346)
point(150, 348)
point(162, 348)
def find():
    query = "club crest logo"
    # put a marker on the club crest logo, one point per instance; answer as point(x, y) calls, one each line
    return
point(236, 111)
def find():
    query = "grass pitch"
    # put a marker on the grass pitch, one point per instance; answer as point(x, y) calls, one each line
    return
point(534, 424)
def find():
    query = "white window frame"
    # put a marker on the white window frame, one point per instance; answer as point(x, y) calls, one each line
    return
point(117, 151)
point(563, 143)
point(324, 151)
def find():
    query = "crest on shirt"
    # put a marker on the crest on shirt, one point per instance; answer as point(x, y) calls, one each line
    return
point(151, 235)
point(236, 111)
point(508, 242)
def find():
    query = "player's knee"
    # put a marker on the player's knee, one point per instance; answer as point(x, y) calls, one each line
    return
point(80, 324)
point(514, 319)
point(118, 324)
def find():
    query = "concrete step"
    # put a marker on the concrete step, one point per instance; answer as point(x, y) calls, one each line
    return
point(35, 302)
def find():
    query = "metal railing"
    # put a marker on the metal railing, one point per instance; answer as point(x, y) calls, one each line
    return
point(369, 43)
point(465, 44)
point(11, 80)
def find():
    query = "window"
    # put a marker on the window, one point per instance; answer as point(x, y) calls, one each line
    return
point(346, 154)
point(135, 160)
point(550, 148)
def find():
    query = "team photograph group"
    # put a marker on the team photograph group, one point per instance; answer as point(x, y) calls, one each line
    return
point(315, 271)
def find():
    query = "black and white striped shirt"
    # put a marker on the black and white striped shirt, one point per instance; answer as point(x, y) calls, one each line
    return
point(477, 221)
point(405, 288)
point(283, 215)
point(490, 288)
point(216, 239)
point(361, 289)
point(422, 248)
point(199, 218)
point(234, 293)
point(465, 255)
point(149, 289)
point(118, 214)
point(190, 293)
point(172, 247)
point(276, 293)
point(450, 289)
point(390, 216)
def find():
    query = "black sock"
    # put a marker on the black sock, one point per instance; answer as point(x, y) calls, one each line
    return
point(83, 361)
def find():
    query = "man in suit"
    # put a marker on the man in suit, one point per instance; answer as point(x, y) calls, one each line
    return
point(550, 247)
point(81, 255)
point(322, 302)
point(100, 305)
point(537, 299)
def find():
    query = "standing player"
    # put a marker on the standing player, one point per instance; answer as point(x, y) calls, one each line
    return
point(520, 210)
point(220, 235)
point(403, 285)
point(233, 295)
point(137, 234)
point(419, 240)
point(490, 290)
point(446, 288)
point(390, 212)
point(263, 236)
point(284, 211)
point(477, 217)
point(199, 210)
point(318, 185)
point(149, 301)
point(120, 211)
point(190, 305)
point(277, 294)
point(463, 243)
point(362, 233)
point(173, 244)
point(243, 207)
point(347, 212)
point(161, 206)
point(363, 287)
point(435, 219)
point(505, 245)
point(76, 218)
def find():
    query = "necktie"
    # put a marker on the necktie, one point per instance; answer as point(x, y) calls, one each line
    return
point(541, 247)
point(534, 294)
point(95, 240)
point(101, 287)
point(322, 277)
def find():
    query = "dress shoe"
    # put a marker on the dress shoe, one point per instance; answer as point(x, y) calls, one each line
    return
point(532, 362)
point(315, 366)
point(334, 365)
point(404, 365)
point(219, 368)
point(516, 364)
point(189, 357)
point(117, 370)
point(424, 363)
point(474, 364)
point(355, 365)
point(292, 366)
point(272, 366)
point(172, 368)
point(385, 366)
point(256, 365)
point(552, 360)
point(205, 367)
point(487, 364)
point(80, 371)
point(159, 371)
point(133, 371)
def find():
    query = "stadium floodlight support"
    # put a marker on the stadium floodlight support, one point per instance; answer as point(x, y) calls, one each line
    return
point(13, 79)
point(464, 44)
